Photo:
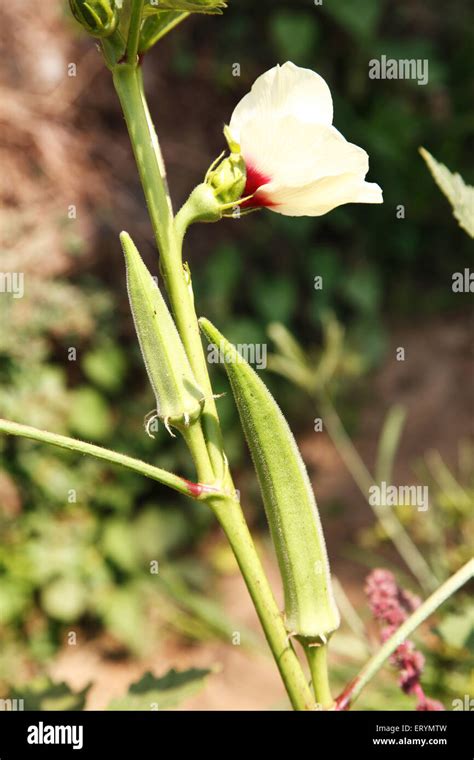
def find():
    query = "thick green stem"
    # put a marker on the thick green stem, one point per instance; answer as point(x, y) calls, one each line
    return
point(207, 450)
point(318, 665)
point(426, 609)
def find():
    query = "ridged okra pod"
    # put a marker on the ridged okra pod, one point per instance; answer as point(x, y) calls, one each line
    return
point(290, 505)
point(179, 400)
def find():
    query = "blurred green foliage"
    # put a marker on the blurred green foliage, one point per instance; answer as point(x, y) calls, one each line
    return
point(161, 693)
point(42, 694)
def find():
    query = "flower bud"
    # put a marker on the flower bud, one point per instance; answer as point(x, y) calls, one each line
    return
point(179, 400)
point(190, 6)
point(98, 17)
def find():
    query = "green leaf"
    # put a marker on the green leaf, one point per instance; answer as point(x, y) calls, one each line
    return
point(158, 532)
point(413, 49)
point(294, 35)
point(155, 27)
point(389, 442)
point(220, 276)
point(152, 693)
point(457, 629)
point(14, 599)
point(459, 194)
point(286, 343)
point(105, 366)
point(362, 290)
point(213, 619)
point(43, 694)
point(89, 415)
point(359, 19)
point(64, 599)
point(122, 610)
point(310, 609)
point(118, 547)
point(275, 298)
point(153, 7)
point(50, 474)
point(244, 330)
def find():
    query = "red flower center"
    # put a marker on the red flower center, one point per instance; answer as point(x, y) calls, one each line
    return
point(255, 180)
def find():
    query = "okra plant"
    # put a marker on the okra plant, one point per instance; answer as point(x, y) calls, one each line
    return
point(282, 154)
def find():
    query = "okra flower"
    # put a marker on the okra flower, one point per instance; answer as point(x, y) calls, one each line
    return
point(297, 163)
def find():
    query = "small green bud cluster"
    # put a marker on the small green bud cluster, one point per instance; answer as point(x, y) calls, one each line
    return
point(220, 192)
point(228, 179)
point(98, 17)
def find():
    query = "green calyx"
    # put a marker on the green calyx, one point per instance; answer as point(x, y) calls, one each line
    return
point(206, 205)
point(220, 193)
point(201, 206)
point(98, 17)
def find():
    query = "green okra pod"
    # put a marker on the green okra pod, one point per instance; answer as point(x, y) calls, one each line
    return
point(179, 400)
point(292, 514)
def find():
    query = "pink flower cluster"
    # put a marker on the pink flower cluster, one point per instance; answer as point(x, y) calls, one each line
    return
point(391, 606)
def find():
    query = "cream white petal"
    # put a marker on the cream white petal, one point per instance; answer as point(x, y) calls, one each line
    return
point(297, 162)
point(283, 91)
point(321, 196)
point(293, 153)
